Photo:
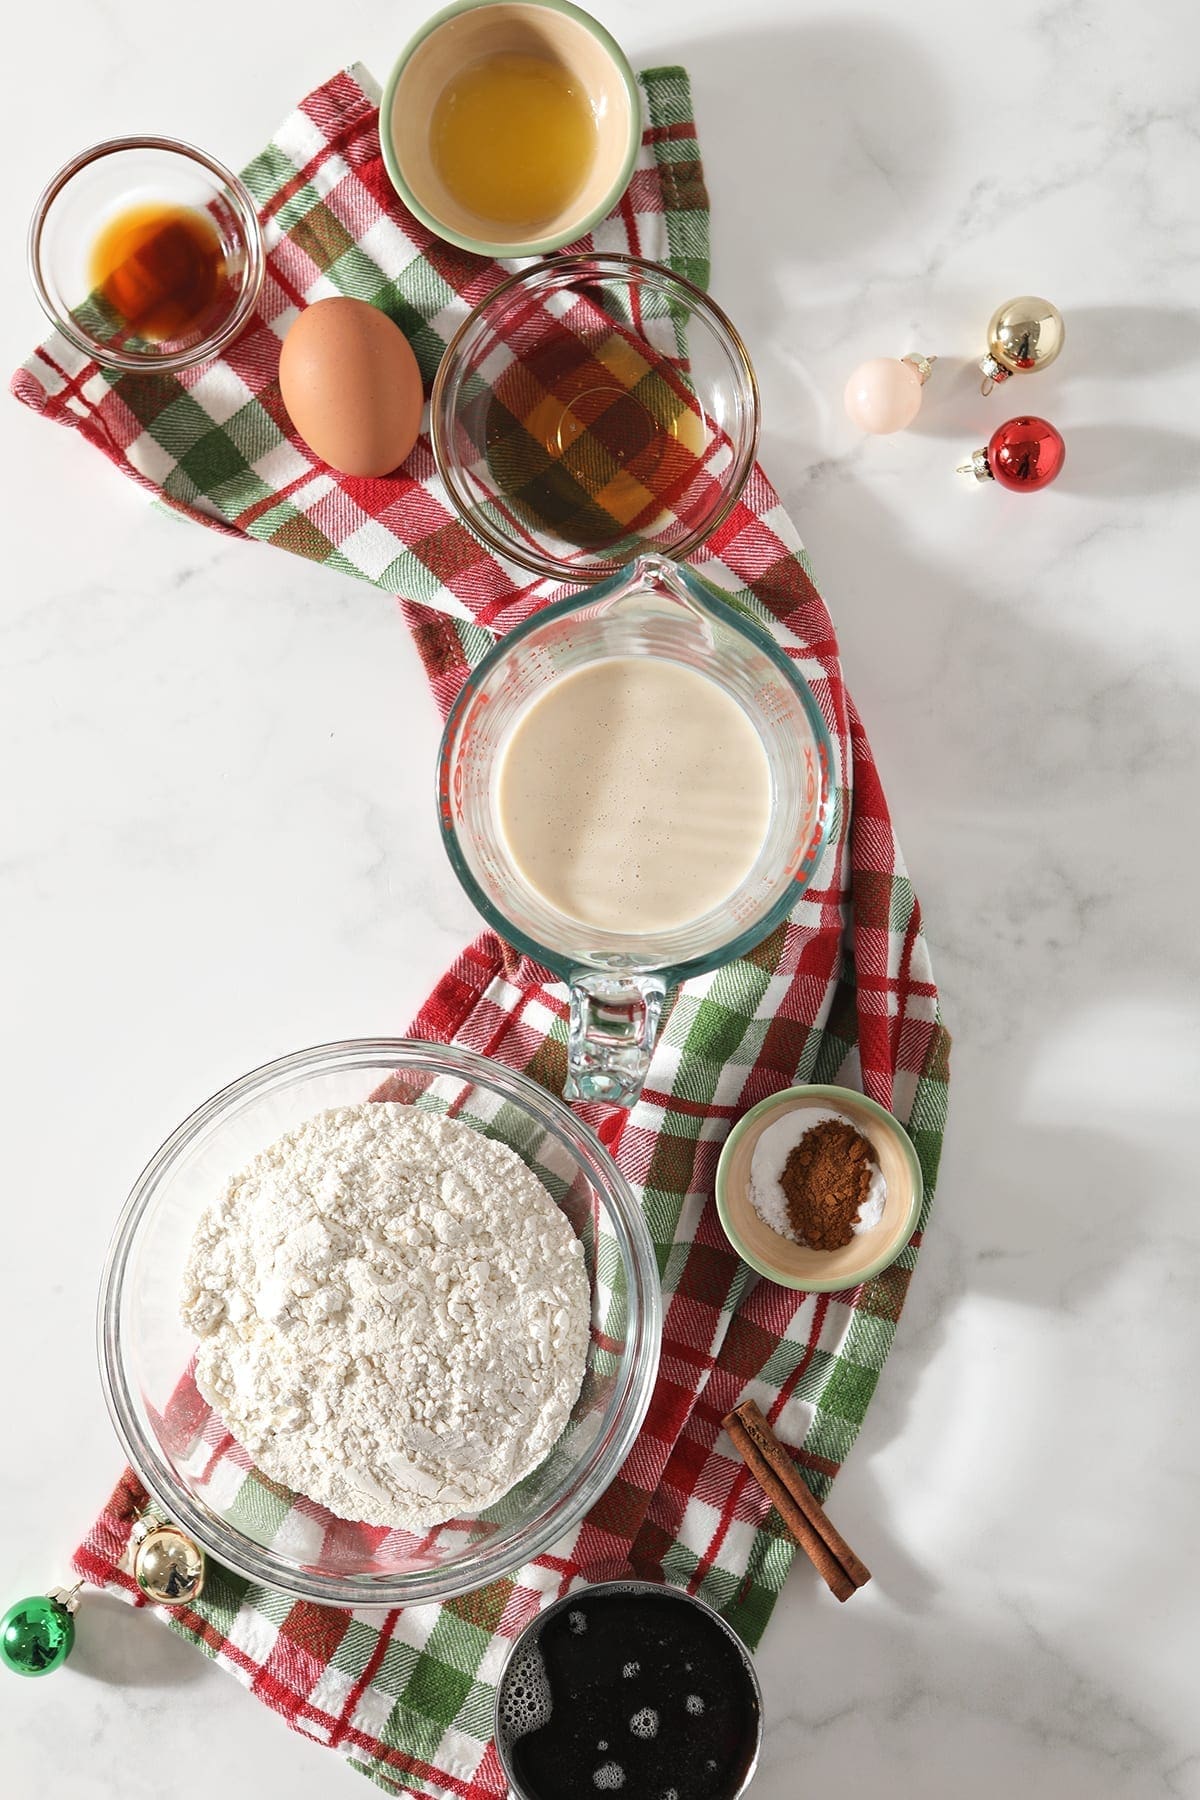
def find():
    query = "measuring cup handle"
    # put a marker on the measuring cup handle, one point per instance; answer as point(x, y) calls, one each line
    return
point(614, 1022)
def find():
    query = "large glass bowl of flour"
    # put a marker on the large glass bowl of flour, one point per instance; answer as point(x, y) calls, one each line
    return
point(210, 1487)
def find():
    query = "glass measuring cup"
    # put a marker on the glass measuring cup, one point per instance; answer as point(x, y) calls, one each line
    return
point(619, 980)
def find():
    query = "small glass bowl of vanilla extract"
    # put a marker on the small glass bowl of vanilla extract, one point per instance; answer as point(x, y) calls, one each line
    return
point(147, 254)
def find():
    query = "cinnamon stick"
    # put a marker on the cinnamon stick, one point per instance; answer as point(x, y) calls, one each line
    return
point(806, 1519)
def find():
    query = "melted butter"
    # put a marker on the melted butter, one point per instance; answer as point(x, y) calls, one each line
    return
point(513, 138)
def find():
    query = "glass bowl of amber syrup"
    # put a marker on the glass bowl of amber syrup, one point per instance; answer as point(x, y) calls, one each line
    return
point(593, 409)
point(147, 254)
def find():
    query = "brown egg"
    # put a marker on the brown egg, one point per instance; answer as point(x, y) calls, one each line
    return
point(351, 384)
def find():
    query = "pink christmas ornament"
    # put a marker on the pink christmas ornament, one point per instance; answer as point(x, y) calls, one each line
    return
point(885, 394)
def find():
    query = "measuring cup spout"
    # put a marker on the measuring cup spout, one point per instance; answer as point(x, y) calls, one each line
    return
point(614, 1022)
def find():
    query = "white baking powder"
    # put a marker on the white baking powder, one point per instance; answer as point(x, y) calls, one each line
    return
point(771, 1152)
point(393, 1314)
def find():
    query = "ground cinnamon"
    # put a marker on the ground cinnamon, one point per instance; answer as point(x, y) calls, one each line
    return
point(825, 1180)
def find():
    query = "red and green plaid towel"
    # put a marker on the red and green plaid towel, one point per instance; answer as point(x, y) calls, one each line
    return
point(843, 992)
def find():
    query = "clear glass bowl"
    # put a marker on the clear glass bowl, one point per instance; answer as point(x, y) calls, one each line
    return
point(592, 408)
point(93, 189)
point(178, 1446)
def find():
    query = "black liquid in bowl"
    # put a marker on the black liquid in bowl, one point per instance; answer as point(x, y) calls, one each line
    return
point(632, 1690)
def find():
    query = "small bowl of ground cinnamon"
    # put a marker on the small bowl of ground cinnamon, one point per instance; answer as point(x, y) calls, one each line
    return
point(818, 1188)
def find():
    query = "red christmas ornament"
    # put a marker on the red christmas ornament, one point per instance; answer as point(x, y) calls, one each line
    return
point(1022, 454)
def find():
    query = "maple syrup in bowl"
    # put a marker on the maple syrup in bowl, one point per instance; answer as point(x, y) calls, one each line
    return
point(591, 409)
point(147, 254)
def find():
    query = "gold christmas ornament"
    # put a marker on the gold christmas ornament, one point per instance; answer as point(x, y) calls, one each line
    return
point(1023, 335)
point(167, 1565)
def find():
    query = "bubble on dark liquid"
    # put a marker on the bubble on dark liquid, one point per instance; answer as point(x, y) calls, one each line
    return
point(568, 1759)
point(695, 1705)
point(525, 1699)
point(644, 1723)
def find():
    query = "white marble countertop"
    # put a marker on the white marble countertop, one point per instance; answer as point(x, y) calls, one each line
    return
point(217, 845)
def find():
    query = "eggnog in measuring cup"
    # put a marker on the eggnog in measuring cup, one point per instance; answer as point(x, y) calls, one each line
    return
point(634, 794)
point(635, 785)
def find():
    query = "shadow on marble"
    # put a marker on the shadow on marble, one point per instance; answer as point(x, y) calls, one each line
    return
point(1125, 342)
point(862, 1508)
point(1117, 342)
point(1117, 461)
point(125, 1646)
point(850, 122)
point(1113, 460)
point(1014, 1711)
point(951, 403)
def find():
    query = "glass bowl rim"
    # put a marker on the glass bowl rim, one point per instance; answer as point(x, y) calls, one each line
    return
point(616, 264)
point(258, 1563)
point(216, 341)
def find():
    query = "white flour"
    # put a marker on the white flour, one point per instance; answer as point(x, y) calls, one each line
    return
point(393, 1314)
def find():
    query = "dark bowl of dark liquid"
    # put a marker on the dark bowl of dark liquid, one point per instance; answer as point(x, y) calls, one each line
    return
point(632, 1689)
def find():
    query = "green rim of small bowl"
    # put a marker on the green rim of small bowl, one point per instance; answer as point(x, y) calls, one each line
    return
point(539, 246)
point(833, 1096)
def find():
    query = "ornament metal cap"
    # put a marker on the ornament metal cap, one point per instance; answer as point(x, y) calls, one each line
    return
point(978, 466)
point(922, 364)
point(993, 373)
point(67, 1598)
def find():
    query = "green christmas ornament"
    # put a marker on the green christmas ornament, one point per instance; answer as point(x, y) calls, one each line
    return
point(36, 1635)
